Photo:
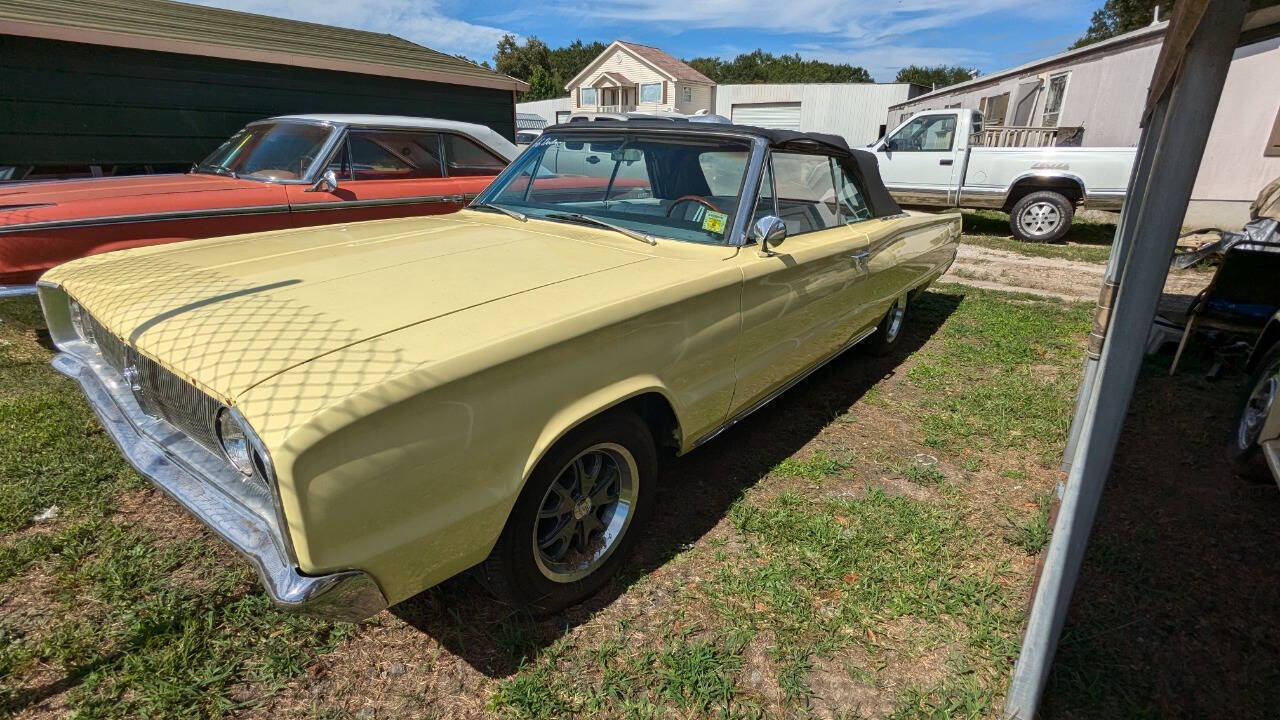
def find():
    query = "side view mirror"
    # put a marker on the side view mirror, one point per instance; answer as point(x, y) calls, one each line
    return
point(769, 231)
point(327, 182)
point(888, 146)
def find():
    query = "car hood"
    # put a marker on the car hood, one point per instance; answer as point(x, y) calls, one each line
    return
point(59, 199)
point(229, 313)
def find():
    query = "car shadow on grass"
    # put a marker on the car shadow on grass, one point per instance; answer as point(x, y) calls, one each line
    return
point(694, 494)
point(1175, 613)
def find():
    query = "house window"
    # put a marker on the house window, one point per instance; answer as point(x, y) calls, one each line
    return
point(1053, 99)
point(686, 94)
point(1273, 143)
point(994, 108)
point(651, 93)
point(587, 96)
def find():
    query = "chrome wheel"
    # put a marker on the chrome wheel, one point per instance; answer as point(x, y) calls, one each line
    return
point(1040, 219)
point(585, 512)
point(1256, 409)
point(896, 314)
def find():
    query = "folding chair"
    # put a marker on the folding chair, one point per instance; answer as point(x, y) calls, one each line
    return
point(1243, 294)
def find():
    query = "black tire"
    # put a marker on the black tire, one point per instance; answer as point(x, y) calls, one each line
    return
point(1243, 453)
point(520, 575)
point(1048, 217)
point(888, 332)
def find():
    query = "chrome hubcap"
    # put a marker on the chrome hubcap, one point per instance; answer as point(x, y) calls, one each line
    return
point(1040, 218)
point(896, 315)
point(1256, 410)
point(585, 512)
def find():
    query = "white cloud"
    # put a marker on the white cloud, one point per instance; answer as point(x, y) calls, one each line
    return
point(880, 35)
point(420, 21)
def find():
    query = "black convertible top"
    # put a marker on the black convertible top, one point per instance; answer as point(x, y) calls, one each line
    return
point(864, 163)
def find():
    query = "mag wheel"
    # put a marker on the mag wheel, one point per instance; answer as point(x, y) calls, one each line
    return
point(578, 516)
point(1043, 216)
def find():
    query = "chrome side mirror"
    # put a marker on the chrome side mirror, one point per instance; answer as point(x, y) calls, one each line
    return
point(769, 231)
point(327, 182)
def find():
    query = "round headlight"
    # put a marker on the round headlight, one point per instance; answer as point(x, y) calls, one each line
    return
point(80, 322)
point(235, 442)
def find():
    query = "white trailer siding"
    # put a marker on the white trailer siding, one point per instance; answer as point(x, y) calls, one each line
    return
point(854, 111)
point(1234, 168)
point(1106, 89)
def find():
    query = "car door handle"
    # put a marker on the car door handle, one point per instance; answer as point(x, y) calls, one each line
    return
point(948, 161)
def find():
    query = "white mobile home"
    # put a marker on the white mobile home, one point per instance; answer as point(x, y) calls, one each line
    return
point(1101, 89)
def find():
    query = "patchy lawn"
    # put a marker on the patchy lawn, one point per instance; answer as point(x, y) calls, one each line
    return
point(1087, 240)
point(862, 547)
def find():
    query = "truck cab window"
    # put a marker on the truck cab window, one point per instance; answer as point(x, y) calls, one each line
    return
point(927, 133)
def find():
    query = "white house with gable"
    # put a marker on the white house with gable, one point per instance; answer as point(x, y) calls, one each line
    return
point(628, 77)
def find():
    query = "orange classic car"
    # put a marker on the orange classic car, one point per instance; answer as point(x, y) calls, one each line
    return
point(283, 172)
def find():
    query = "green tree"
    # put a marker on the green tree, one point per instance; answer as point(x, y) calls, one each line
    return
point(936, 77)
point(541, 86)
point(1116, 17)
point(762, 67)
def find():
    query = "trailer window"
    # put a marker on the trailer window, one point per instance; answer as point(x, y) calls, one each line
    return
point(1053, 99)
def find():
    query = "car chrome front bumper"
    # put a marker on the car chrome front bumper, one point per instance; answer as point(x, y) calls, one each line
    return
point(181, 468)
point(16, 290)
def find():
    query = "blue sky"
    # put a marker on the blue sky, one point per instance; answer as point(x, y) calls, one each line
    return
point(880, 35)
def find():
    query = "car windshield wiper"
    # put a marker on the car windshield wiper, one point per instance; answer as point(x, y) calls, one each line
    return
point(218, 169)
point(588, 220)
point(509, 213)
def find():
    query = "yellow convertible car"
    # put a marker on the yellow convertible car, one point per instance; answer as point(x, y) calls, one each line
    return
point(365, 410)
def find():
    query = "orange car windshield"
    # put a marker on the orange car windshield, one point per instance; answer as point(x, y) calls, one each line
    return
point(268, 151)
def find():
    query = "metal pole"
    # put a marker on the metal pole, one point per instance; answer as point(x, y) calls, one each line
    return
point(1125, 232)
point(1190, 108)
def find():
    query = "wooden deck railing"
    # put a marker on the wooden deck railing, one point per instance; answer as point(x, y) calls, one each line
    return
point(1028, 136)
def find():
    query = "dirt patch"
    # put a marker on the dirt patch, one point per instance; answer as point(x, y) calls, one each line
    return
point(759, 674)
point(866, 682)
point(389, 670)
point(158, 517)
point(1069, 280)
point(28, 601)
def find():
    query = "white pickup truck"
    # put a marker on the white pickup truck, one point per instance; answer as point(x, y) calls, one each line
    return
point(933, 159)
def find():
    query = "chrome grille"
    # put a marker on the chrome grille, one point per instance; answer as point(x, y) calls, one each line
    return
point(165, 395)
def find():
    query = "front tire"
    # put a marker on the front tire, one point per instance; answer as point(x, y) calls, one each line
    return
point(577, 519)
point(1043, 216)
point(1243, 452)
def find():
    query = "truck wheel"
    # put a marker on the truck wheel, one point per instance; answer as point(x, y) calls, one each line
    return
point(577, 518)
point(889, 330)
point(1260, 396)
point(1043, 216)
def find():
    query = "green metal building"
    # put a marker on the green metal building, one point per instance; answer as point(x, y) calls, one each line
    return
point(126, 86)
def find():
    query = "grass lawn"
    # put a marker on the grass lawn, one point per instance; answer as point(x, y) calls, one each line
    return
point(1086, 241)
point(862, 547)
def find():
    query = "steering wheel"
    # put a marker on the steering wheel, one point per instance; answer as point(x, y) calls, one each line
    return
point(694, 198)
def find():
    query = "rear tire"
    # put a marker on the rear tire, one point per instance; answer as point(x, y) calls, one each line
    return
point(561, 544)
point(1043, 216)
point(886, 336)
point(1260, 394)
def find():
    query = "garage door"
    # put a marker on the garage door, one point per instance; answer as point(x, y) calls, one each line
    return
point(784, 116)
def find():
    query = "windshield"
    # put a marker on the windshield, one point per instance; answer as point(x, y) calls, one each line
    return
point(676, 187)
point(268, 151)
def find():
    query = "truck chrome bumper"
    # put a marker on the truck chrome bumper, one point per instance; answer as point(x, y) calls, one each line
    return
point(182, 469)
